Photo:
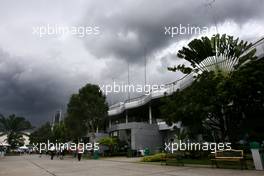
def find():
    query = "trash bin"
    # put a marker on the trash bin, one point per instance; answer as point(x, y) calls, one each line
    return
point(146, 152)
point(256, 154)
point(96, 155)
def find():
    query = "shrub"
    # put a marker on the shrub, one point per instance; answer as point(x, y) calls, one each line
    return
point(163, 156)
point(153, 158)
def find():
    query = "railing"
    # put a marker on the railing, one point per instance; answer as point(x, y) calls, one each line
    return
point(139, 101)
point(259, 45)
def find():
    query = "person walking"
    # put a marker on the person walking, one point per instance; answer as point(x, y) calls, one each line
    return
point(62, 152)
point(52, 152)
point(1, 152)
point(79, 152)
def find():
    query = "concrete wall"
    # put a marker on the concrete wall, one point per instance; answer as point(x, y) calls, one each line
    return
point(143, 135)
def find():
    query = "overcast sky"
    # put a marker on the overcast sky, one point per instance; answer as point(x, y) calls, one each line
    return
point(38, 74)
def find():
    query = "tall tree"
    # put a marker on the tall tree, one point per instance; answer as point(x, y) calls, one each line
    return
point(86, 111)
point(226, 93)
point(14, 128)
point(246, 91)
point(197, 104)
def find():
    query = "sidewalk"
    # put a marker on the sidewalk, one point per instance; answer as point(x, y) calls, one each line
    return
point(33, 165)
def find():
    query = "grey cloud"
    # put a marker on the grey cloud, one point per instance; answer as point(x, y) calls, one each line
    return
point(135, 28)
point(27, 91)
point(130, 30)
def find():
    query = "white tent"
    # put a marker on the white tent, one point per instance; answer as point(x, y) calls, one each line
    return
point(23, 148)
point(3, 144)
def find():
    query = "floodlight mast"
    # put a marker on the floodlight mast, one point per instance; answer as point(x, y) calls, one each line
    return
point(128, 79)
point(145, 70)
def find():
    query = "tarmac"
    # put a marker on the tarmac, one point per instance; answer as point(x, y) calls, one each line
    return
point(33, 165)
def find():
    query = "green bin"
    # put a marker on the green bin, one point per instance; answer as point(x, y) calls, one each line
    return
point(96, 155)
point(146, 152)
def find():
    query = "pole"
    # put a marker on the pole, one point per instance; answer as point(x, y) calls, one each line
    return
point(128, 80)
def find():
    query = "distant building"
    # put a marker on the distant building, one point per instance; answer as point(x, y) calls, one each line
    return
point(138, 121)
point(57, 118)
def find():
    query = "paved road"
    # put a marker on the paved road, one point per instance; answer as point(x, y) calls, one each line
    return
point(35, 166)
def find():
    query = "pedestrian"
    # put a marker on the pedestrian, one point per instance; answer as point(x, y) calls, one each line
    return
point(1, 152)
point(52, 152)
point(62, 152)
point(58, 153)
point(80, 152)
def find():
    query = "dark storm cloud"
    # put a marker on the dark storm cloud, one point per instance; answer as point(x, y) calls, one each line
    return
point(131, 29)
point(36, 98)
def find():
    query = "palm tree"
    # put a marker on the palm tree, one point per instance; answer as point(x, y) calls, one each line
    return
point(13, 127)
point(211, 98)
point(219, 54)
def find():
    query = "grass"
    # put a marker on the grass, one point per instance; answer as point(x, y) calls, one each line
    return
point(205, 163)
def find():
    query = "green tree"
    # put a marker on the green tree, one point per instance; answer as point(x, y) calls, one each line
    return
point(42, 134)
point(245, 89)
point(59, 132)
point(86, 112)
point(196, 104)
point(14, 128)
point(109, 141)
point(227, 94)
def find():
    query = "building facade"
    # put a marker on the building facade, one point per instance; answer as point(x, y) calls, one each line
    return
point(138, 121)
